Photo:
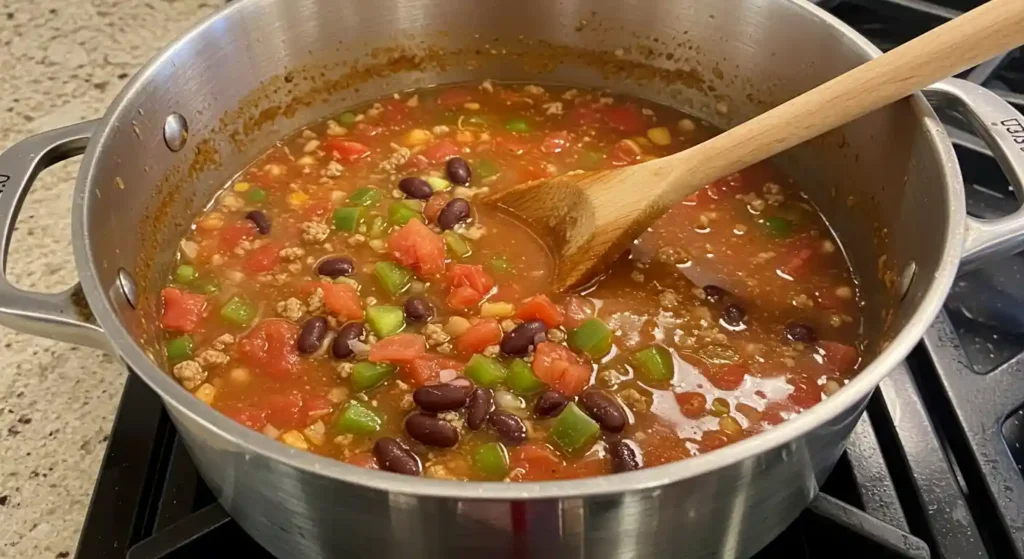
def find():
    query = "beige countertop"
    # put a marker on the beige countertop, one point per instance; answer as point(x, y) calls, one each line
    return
point(60, 63)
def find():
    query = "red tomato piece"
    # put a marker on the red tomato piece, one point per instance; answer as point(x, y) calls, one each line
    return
point(841, 358)
point(363, 460)
point(541, 308)
point(440, 152)
point(472, 276)
point(416, 246)
point(395, 111)
point(262, 259)
point(560, 368)
point(462, 298)
point(182, 311)
point(415, 163)
point(427, 369)
point(434, 206)
point(479, 336)
point(400, 348)
point(713, 440)
point(345, 150)
point(555, 142)
point(229, 237)
point(316, 210)
point(316, 406)
point(342, 300)
point(455, 97)
point(692, 404)
point(805, 392)
point(284, 410)
point(252, 417)
point(730, 377)
point(626, 118)
point(535, 462)
point(797, 261)
point(270, 348)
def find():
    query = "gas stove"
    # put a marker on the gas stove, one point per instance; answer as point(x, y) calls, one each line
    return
point(933, 469)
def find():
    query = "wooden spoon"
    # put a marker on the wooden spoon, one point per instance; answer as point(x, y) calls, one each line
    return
point(590, 218)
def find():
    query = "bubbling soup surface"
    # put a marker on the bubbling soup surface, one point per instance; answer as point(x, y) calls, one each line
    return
point(347, 295)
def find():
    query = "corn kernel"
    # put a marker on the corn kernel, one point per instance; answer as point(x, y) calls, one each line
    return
point(456, 326)
point(497, 310)
point(242, 186)
point(472, 106)
point(416, 137)
point(295, 439)
point(660, 136)
point(729, 424)
point(206, 392)
point(297, 198)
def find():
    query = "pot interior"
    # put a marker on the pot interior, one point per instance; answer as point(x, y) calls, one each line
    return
point(245, 81)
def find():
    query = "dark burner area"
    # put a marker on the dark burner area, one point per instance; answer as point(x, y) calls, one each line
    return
point(933, 469)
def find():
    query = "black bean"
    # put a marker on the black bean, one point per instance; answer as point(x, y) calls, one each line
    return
point(714, 294)
point(458, 170)
point(336, 267)
point(799, 332)
point(312, 335)
point(394, 456)
point(550, 404)
point(431, 430)
point(418, 309)
point(481, 402)
point(510, 428)
point(353, 331)
point(415, 187)
point(261, 221)
point(604, 409)
point(453, 213)
point(624, 457)
point(440, 397)
point(518, 341)
point(734, 315)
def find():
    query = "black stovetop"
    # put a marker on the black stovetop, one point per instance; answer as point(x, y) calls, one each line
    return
point(933, 469)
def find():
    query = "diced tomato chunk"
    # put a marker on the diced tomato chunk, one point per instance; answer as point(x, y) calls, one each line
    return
point(434, 206)
point(560, 368)
point(797, 261)
point(270, 348)
point(315, 406)
point(439, 152)
point(416, 246)
point(345, 150)
point(229, 237)
point(555, 142)
point(182, 311)
point(285, 410)
point(541, 308)
point(455, 97)
point(485, 333)
point(841, 358)
point(535, 462)
point(415, 163)
point(463, 298)
point(730, 377)
point(470, 275)
point(342, 300)
point(395, 111)
point(400, 348)
point(317, 209)
point(263, 259)
point(692, 404)
point(427, 369)
point(252, 417)
point(805, 392)
point(626, 118)
point(363, 460)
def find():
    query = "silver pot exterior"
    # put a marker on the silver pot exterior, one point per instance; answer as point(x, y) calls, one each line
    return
point(888, 183)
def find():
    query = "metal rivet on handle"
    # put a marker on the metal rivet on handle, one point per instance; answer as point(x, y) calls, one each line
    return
point(907, 278)
point(127, 284)
point(175, 132)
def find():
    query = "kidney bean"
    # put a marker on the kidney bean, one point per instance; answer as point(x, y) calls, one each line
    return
point(713, 293)
point(453, 213)
point(431, 430)
point(518, 341)
point(624, 457)
point(394, 456)
point(510, 428)
point(261, 221)
point(352, 331)
point(481, 402)
point(418, 309)
point(550, 404)
point(312, 335)
point(415, 187)
point(336, 267)
point(458, 170)
point(604, 409)
point(440, 397)
point(734, 314)
point(799, 332)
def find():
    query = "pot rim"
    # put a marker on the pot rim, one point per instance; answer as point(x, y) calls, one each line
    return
point(176, 397)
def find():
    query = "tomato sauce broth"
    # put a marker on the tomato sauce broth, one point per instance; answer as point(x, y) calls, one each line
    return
point(347, 294)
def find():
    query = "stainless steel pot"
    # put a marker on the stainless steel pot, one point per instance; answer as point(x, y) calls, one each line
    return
point(889, 184)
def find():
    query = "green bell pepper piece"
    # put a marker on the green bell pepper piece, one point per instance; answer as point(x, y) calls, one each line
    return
point(393, 277)
point(485, 169)
point(457, 246)
point(185, 274)
point(365, 197)
point(654, 364)
point(347, 119)
point(521, 379)
point(491, 460)
point(485, 371)
point(499, 265)
point(256, 195)
point(592, 337)
point(378, 227)
point(517, 125)
point(348, 219)
point(437, 184)
point(179, 349)
point(357, 419)
point(573, 429)
point(205, 286)
point(778, 226)
point(400, 213)
point(385, 320)
point(238, 311)
point(366, 375)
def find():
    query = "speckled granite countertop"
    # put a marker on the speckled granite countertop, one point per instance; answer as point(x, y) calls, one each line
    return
point(60, 63)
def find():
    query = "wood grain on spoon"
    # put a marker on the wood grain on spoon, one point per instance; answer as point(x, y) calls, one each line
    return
point(591, 218)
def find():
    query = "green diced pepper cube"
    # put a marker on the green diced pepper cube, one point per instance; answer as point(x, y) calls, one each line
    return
point(378, 228)
point(366, 196)
point(357, 419)
point(179, 349)
point(238, 311)
point(457, 246)
point(517, 125)
point(385, 320)
point(485, 169)
point(400, 213)
point(521, 379)
point(500, 265)
point(348, 219)
point(347, 119)
point(366, 375)
point(592, 337)
point(485, 371)
point(491, 460)
point(778, 226)
point(573, 429)
point(185, 274)
point(654, 364)
point(437, 184)
point(393, 277)
point(256, 195)
point(205, 286)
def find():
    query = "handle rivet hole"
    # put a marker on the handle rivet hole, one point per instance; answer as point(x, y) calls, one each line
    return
point(127, 284)
point(907, 278)
point(175, 132)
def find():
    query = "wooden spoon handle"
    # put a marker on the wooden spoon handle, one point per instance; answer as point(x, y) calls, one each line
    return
point(976, 36)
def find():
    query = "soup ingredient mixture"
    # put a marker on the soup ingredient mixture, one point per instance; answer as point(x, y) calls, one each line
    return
point(348, 295)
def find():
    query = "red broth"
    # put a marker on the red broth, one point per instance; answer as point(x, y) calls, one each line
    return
point(346, 295)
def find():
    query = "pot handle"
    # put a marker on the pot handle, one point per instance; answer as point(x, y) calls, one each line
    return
point(63, 316)
point(1001, 127)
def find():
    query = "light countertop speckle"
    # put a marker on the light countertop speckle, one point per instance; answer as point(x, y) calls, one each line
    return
point(60, 63)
